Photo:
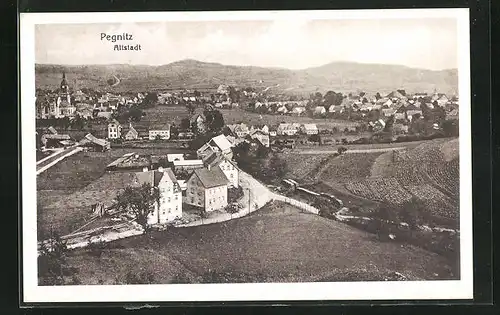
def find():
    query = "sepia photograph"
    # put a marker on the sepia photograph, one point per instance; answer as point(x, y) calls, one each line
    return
point(281, 155)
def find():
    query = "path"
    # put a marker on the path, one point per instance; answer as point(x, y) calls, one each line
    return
point(353, 151)
point(55, 158)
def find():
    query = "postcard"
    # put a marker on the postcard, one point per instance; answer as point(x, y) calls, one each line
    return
point(246, 156)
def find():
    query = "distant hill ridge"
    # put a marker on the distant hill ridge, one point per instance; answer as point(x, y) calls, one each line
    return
point(191, 74)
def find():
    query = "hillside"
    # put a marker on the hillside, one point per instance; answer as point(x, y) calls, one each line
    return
point(276, 244)
point(337, 76)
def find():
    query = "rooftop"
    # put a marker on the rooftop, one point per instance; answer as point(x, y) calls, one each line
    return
point(212, 177)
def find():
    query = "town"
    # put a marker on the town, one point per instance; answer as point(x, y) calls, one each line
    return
point(218, 154)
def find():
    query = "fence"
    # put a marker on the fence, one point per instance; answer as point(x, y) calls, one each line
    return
point(296, 203)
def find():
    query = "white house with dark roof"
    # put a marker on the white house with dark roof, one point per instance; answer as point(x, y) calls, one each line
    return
point(207, 188)
point(261, 136)
point(310, 129)
point(114, 129)
point(228, 167)
point(159, 131)
point(169, 207)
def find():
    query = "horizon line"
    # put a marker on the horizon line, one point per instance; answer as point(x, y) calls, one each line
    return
point(248, 66)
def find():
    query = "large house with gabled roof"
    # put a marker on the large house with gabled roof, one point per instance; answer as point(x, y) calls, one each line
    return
point(207, 188)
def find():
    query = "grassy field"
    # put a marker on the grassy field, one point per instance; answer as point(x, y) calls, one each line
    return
point(275, 244)
point(170, 114)
point(232, 116)
point(60, 198)
point(299, 166)
point(429, 172)
point(349, 167)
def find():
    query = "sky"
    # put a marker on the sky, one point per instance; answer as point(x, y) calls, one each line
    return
point(428, 43)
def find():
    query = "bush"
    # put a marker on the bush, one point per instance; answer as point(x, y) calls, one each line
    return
point(234, 194)
point(233, 208)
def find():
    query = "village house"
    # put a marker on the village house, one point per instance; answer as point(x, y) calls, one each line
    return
point(378, 125)
point(261, 136)
point(130, 162)
point(309, 129)
point(285, 129)
point(207, 188)
point(159, 132)
point(412, 110)
point(114, 129)
point(298, 110)
point(228, 167)
point(187, 165)
point(216, 144)
point(387, 112)
point(131, 133)
point(282, 110)
point(335, 109)
point(239, 130)
point(169, 206)
point(319, 110)
point(91, 143)
point(199, 121)
point(398, 128)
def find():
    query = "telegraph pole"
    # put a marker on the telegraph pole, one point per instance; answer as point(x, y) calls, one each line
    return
point(249, 199)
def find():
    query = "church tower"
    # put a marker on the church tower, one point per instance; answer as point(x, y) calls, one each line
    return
point(63, 104)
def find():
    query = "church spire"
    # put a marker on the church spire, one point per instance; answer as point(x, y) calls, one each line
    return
point(64, 83)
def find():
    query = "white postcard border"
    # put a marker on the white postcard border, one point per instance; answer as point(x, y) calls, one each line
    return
point(411, 290)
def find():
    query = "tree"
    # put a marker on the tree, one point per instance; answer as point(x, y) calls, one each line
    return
point(52, 260)
point(191, 108)
point(140, 201)
point(150, 100)
point(378, 96)
point(215, 120)
point(450, 127)
point(341, 150)
point(135, 113)
point(78, 123)
point(174, 131)
point(413, 212)
point(275, 168)
point(389, 124)
point(185, 124)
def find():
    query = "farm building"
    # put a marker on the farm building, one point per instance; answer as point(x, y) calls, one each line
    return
point(92, 143)
point(216, 144)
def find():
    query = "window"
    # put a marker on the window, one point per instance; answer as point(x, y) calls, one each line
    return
point(192, 199)
point(232, 175)
point(168, 199)
point(176, 197)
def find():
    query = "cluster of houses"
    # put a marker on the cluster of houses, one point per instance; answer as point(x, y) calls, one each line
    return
point(201, 183)
point(66, 103)
point(397, 103)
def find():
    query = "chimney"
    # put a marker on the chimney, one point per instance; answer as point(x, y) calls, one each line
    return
point(160, 169)
point(144, 169)
point(208, 166)
point(137, 156)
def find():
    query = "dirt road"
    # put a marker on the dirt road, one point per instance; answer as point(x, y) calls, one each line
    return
point(354, 151)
